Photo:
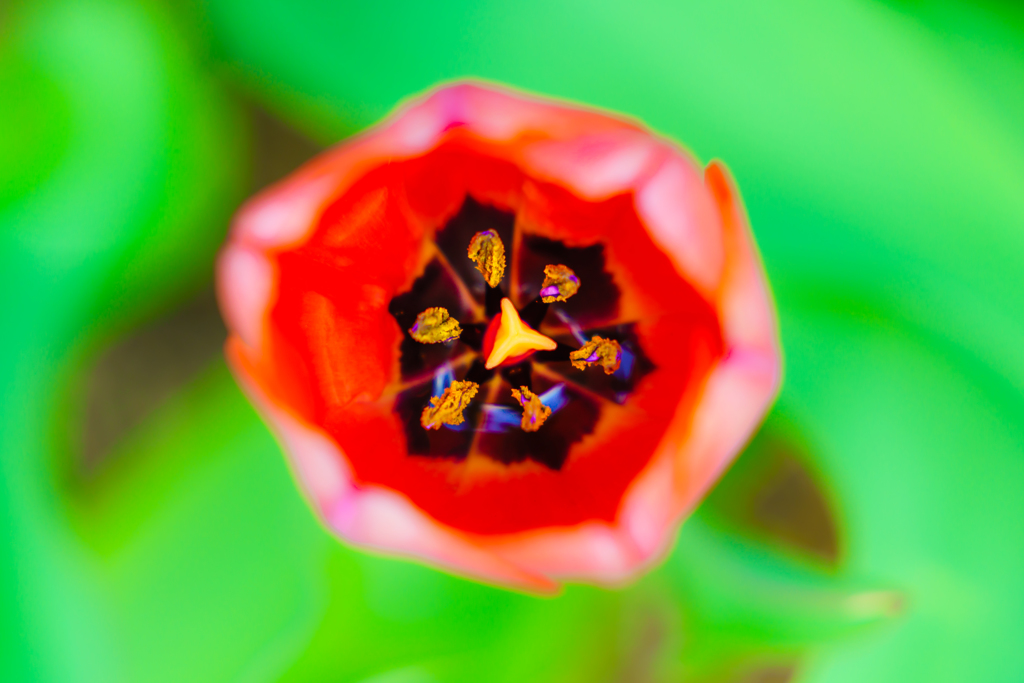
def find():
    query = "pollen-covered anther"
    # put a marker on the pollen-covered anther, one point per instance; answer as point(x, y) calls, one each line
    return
point(488, 252)
point(535, 413)
point(448, 407)
point(559, 284)
point(434, 326)
point(598, 351)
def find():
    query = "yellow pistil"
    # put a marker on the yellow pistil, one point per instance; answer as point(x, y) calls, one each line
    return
point(534, 412)
point(488, 251)
point(515, 337)
point(600, 351)
point(434, 326)
point(560, 283)
point(447, 408)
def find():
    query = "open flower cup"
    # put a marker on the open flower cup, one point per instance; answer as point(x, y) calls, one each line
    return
point(513, 338)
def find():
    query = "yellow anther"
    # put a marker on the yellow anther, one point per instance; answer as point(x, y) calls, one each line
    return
point(488, 251)
point(534, 412)
point(598, 351)
point(515, 337)
point(434, 326)
point(447, 408)
point(559, 284)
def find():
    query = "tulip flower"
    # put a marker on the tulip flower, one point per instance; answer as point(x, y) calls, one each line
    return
point(507, 336)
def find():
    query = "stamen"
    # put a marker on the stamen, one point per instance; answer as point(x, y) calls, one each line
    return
point(514, 338)
point(559, 284)
point(534, 412)
point(434, 326)
point(447, 408)
point(605, 352)
point(498, 419)
point(488, 251)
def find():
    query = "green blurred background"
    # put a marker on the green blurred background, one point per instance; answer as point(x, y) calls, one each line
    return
point(149, 528)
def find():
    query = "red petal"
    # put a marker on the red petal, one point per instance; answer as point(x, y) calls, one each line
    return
point(312, 264)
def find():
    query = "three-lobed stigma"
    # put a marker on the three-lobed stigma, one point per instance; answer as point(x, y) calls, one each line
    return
point(515, 337)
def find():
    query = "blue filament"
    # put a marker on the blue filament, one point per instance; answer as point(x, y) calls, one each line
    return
point(625, 365)
point(499, 419)
point(443, 378)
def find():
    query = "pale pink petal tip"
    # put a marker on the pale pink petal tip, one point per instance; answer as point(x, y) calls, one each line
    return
point(680, 216)
point(245, 285)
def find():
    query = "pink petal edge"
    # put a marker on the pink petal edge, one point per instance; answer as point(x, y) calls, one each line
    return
point(245, 307)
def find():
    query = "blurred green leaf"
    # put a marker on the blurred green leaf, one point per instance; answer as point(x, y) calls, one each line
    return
point(123, 168)
point(206, 550)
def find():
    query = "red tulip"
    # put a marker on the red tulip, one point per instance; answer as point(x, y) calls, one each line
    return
point(559, 415)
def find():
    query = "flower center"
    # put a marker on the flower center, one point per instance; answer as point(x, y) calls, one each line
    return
point(508, 340)
point(493, 373)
